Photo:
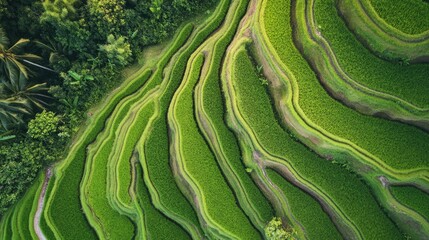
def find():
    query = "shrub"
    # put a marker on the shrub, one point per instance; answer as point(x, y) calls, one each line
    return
point(275, 230)
point(117, 50)
point(44, 127)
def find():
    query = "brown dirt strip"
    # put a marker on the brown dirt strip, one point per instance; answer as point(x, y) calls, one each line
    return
point(41, 204)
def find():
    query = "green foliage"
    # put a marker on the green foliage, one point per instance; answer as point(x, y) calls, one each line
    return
point(12, 57)
point(74, 37)
point(117, 50)
point(20, 163)
point(3, 7)
point(11, 113)
point(18, 97)
point(34, 95)
point(155, 8)
point(275, 230)
point(59, 9)
point(108, 16)
point(47, 127)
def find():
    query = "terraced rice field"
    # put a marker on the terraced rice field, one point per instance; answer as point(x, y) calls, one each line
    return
point(313, 111)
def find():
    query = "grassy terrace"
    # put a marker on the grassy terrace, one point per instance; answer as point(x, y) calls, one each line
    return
point(25, 224)
point(407, 16)
point(133, 134)
point(210, 113)
point(153, 150)
point(399, 141)
point(6, 225)
point(198, 166)
point(101, 211)
point(364, 67)
point(17, 222)
point(157, 225)
point(384, 39)
point(338, 83)
point(65, 217)
point(255, 109)
point(413, 198)
point(316, 222)
point(350, 195)
point(34, 206)
point(123, 167)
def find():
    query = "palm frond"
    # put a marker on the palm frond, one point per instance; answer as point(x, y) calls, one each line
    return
point(12, 69)
point(4, 40)
point(28, 56)
point(8, 119)
point(19, 45)
point(16, 106)
point(21, 67)
point(43, 45)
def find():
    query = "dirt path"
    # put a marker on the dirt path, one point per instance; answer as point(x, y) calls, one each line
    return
point(41, 204)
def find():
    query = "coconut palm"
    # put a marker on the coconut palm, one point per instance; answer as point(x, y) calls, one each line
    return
point(12, 111)
point(19, 88)
point(12, 58)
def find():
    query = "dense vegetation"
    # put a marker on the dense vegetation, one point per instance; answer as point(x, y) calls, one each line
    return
point(204, 119)
point(80, 50)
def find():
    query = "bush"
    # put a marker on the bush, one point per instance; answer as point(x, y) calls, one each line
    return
point(44, 127)
point(19, 165)
point(117, 50)
point(276, 231)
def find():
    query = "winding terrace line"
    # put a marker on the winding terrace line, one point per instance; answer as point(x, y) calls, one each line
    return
point(206, 31)
point(291, 119)
point(77, 153)
point(339, 218)
point(123, 108)
point(383, 25)
point(379, 36)
point(313, 139)
point(211, 130)
point(177, 126)
point(294, 116)
point(394, 108)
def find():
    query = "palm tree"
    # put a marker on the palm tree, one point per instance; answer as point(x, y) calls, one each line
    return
point(11, 58)
point(12, 111)
point(19, 88)
point(17, 96)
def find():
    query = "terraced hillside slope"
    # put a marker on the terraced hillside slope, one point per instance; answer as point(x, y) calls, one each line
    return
point(313, 112)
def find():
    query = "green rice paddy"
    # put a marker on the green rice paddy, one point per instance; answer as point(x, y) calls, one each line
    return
point(311, 111)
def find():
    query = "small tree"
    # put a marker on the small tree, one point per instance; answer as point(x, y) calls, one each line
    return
point(276, 231)
point(59, 9)
point(117, 50)
point(12, 57)
point(44, 127)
